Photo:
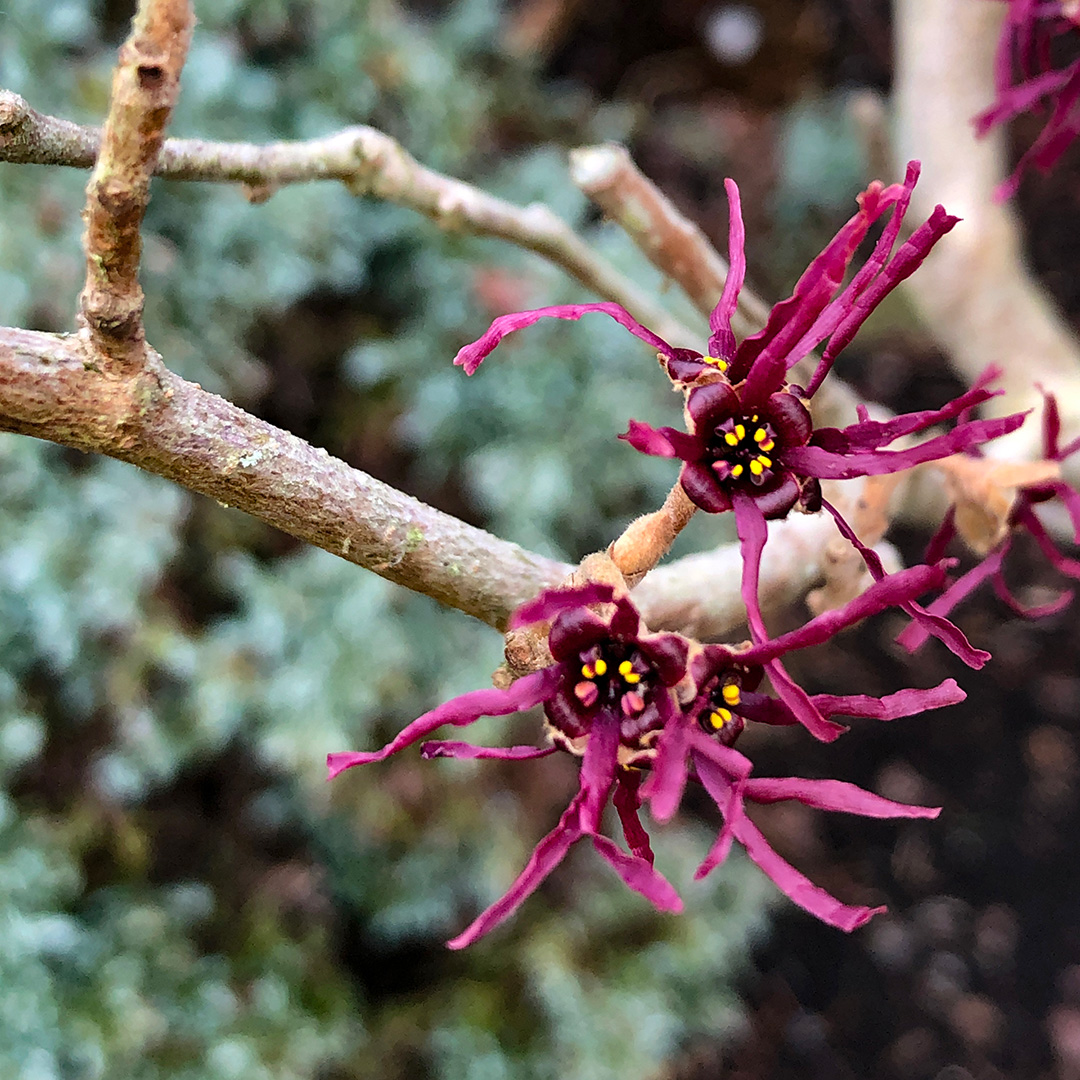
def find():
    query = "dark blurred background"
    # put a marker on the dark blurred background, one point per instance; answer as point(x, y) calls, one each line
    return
point(181, 893)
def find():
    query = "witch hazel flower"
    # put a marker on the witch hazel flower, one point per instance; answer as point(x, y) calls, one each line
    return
point(1022, 488)
point(646, 712)
point(607, 696)
point(1026, 78)
point(750, 444)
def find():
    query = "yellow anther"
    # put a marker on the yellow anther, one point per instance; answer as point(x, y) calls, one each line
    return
point(768, 445)
point(753, 419)
point(632, 677)
point(587, 671)
point(625, 667)
point(601, 667)
point(760, 435)
point(766, 461)
point(719, 718)
point(716, 362)
point(740, 431)
point(731, 694)
point(731, 439)
point(736, 471)
point(756, 467)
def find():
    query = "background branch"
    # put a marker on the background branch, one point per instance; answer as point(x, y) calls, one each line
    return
point(367, 162)
point(974, 291)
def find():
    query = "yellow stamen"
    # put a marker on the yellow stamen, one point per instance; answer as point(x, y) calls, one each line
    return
point(632, 677)
point(587, 671)
point(753, 419)
point(731, 439)
point(766, 461)
point(736, 471)
point(716, 362)
point(756, 467)
point(760, 435)
point(768, 445)
point(719, 718)
point(601, 667)
point(625, 667)
point(731, 694)
point(740, 431)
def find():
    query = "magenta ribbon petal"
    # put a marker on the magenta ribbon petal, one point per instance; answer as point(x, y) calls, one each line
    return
point(471, 356)
point(796, 886)
point(836, 795)
point(462, 750)
point(462, 710)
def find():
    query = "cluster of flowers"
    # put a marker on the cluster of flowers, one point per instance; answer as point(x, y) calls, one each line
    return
point(648, 712)
point(1027, 75)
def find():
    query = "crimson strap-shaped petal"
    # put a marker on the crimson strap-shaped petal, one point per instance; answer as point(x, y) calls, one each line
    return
point(581, 817)
point(721, 337)
point(753, 532)
point(909, 702)
point(462, 710)
point(949, 635)
point(667, 779)
point(815, 461)
point(915, 634)
point(639, 874)
point(894, 589)
point(662, 442)
point(471, 356)
point(837, 795)
point(552, 602)
point(448, 748)
point(727, 794)
point(627, 800)
point(546, 856)
point(796, 886)
point(873, 434)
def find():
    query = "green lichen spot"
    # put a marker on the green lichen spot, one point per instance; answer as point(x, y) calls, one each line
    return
point(414, 538)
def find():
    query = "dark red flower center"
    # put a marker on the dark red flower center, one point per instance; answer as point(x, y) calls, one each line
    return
point(616, 675)
point(717, 715)
point(743, 449)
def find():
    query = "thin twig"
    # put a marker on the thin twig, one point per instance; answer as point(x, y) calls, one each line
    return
point(145, 86)
point(367, 162)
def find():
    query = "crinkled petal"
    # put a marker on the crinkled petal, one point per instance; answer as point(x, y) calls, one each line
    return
point(598, 770)
point(524, 694)
point(721, 337)
point(909, 702)
point(837, 795)
point(1030, 611)
point(907, 260)
point(764, 358)
point(750, 525)
point(814, 461)
point(727, 794)
point(890, 591)
point(1025, 516)
point(627, 800)
point(663, 442)
point(949, 635)
point(796, 886)
point(553, 602)
point(576, 630)
point(545, 857)
point(711, 404)
point(640, 875)
point(943, 535)
point(667, 778)
point(449, 748)
point(473, 355)
point(1071, 500)
point(873, 434)
point(915, 634)
point(668, 652)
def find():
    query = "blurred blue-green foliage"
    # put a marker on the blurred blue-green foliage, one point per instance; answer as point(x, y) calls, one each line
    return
point(181, 894)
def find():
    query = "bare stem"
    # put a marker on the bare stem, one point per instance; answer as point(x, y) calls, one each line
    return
point(145, 86)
